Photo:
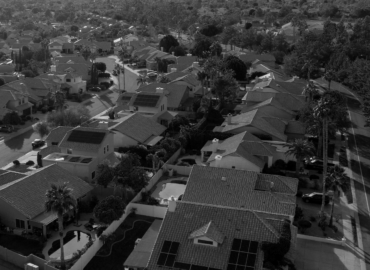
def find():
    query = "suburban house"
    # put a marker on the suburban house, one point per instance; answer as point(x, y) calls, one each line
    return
point(148, 103)
point(82, 149)
point(65, 59)
point(182, 63)
point(11, 100)
point(79, 68)
point(7, 67)
point(178, 98)
point(270, 85)
point(210, 229)
point(190, 80)
point(136, 129)
point(243, 151)
point(22, 197)
point(273, 107)
point(56, 135)
point(56, 45)
point(22, 87)
point(149, 54)
point(291, 102)
point(41, 87)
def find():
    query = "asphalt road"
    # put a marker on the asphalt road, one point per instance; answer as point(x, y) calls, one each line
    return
point(359, 146)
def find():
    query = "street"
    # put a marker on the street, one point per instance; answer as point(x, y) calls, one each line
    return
point(359, 147)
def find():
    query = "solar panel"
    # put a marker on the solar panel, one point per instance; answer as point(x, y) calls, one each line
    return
point(74, 159)
point(146, 100)
point(86, 160)
point(243, 255)
point(81, 136)
point(168, 254)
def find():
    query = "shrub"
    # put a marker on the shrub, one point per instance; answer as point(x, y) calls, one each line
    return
point(298, 213)
point(30, 163)
point(152, 201)
point(280, 164)
point(291, 165)
point(303, 225)
point(16, 162)
point(302, 183)
point(335, 228)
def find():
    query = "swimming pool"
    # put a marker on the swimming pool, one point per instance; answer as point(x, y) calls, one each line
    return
point(172, 189)
point(73, 241)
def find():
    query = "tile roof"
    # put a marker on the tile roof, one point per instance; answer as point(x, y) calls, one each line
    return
point(277, 123)
point(237, 188)
point(57, 134)
point(210, 231)
point(138, 127)
point(268, 102)
point(74, 59)
point(20, 87)
point(175, 75)
point(27, 194)
point(232, 223)
point(183, 62)
point(79, 68)
point(86, 146)
point(7, 177)
point(254, 119)
point(176, 92)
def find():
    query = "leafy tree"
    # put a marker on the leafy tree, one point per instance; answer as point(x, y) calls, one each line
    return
point(74, 28)
point(41, 128)
point(228, 34)
point(178, 51)
point(12, 118)
point(300, 149)
point(210, 30)
point(202, 48)
point(28, 73)
point(109, 209)
point(362, 9)
point(248, 25)
point(101, 66)
point(167, 42)
point(336, 178)
point(71, 117)
point(225, 87)
point(237, 66)
point(329, 10)
point(105, 174)
point(59, 200)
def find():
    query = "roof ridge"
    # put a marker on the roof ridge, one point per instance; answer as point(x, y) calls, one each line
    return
point(282, 181)
point(268, 226)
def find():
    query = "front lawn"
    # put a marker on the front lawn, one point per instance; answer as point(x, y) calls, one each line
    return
point(122, 249)
point(21, 244)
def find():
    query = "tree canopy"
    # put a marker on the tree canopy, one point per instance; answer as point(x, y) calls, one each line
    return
point(167, 42)
point(109, 209)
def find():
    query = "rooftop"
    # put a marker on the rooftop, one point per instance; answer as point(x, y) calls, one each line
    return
point(60, 157)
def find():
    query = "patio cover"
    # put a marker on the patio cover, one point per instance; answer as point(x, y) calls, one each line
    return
point(140, 256)
point(153, 140)
point(45, 218)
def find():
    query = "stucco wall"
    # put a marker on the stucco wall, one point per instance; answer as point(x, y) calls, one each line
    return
point(238, 162)
point(121, 140)
point(8, 214)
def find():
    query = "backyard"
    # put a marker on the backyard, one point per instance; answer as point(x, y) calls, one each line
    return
point(113, 258)
point(21, 244)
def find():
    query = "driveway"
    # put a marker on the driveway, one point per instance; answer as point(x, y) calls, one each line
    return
point(312, 255)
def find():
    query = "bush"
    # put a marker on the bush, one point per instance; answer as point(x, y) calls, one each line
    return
point(291, 165)
point(280, 164)
point(16, 162)
point(302, 183)
point(298, 213)
point(152, 201)
point(30, 163)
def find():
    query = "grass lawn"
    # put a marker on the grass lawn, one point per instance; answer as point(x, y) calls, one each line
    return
point(123, 249)
point(20, 244)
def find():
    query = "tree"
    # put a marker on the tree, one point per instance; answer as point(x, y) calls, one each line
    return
point(12, 118)
point(101, 66)
point(167, 42)
point(59, 200)
point(248, 25)
point(141, 80)
point(300, 149)
point(28, 73)
point(178, 51)
point(74, 28)
point(227, 34)
point(109, 209)
point(225, 87)
point(162, 79)
point(71, 117)
point(202, 77)
point(329, 10)
point(105, 173)
point(336, 178)
point(237, 66)
point(210, 30)
point(202, 48)
point(41, 128)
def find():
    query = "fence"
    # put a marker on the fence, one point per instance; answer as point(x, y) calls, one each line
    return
point(174, 157)
point(20, 260)
point(149, 210)
point(183, 170)
point(323, 240)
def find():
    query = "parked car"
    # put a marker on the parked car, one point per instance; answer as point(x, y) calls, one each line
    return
point(317, 164)
point(95, 89)
point(37, 143)
point(6, 128)
point(315, 197)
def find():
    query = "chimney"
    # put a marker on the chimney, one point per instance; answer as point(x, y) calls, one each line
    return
point(271, 185)
point(229, 119)
point(218, 159)
point(159, 90)
point(195, 64)
point(171, 204)
point(173, 69)
point(215, 144)
point(189, 54)
point(103, 125)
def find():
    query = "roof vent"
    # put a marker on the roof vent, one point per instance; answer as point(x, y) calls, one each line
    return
point(215, 140)
point(159, 90)
point(271, 185)
point(223, 178)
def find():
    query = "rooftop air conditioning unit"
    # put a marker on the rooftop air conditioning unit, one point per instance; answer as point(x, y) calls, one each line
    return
point(30, 266)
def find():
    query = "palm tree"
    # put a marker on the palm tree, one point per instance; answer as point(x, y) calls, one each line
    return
point(310, 91)
point(59, 200)
point(329, 76)
point(335, 179)
point(202, 76)
point(142, 79)
point(163, 79)
point(300, 149)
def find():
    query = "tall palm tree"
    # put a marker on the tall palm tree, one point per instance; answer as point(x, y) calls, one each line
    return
point(335, 179)
point(300, 149)
point(59, 200)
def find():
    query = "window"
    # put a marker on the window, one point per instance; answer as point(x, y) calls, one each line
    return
point(205, 242)
point(20, 224)
point(168, 254)
point(107, 148)
point(68, 80)
point(69, 151)
point(243, 255)
point(92, 175)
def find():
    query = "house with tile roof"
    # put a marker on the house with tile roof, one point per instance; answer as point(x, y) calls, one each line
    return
point(136, 129)
point(11, 100)
point(271, 85)
point(291, 102)
point(81, 69)
point(255, 122)
point(148, 103)
point(182, 63)
point(56, 45)
point(224, 215)
point(273, 107)
point(21, 88)
point(178, 97)
point(243, 151)
point(22, 197)
point(82, 149)
point(190, 80)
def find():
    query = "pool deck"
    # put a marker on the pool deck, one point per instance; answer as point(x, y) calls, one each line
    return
point(154, 192)
point(84, 218)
